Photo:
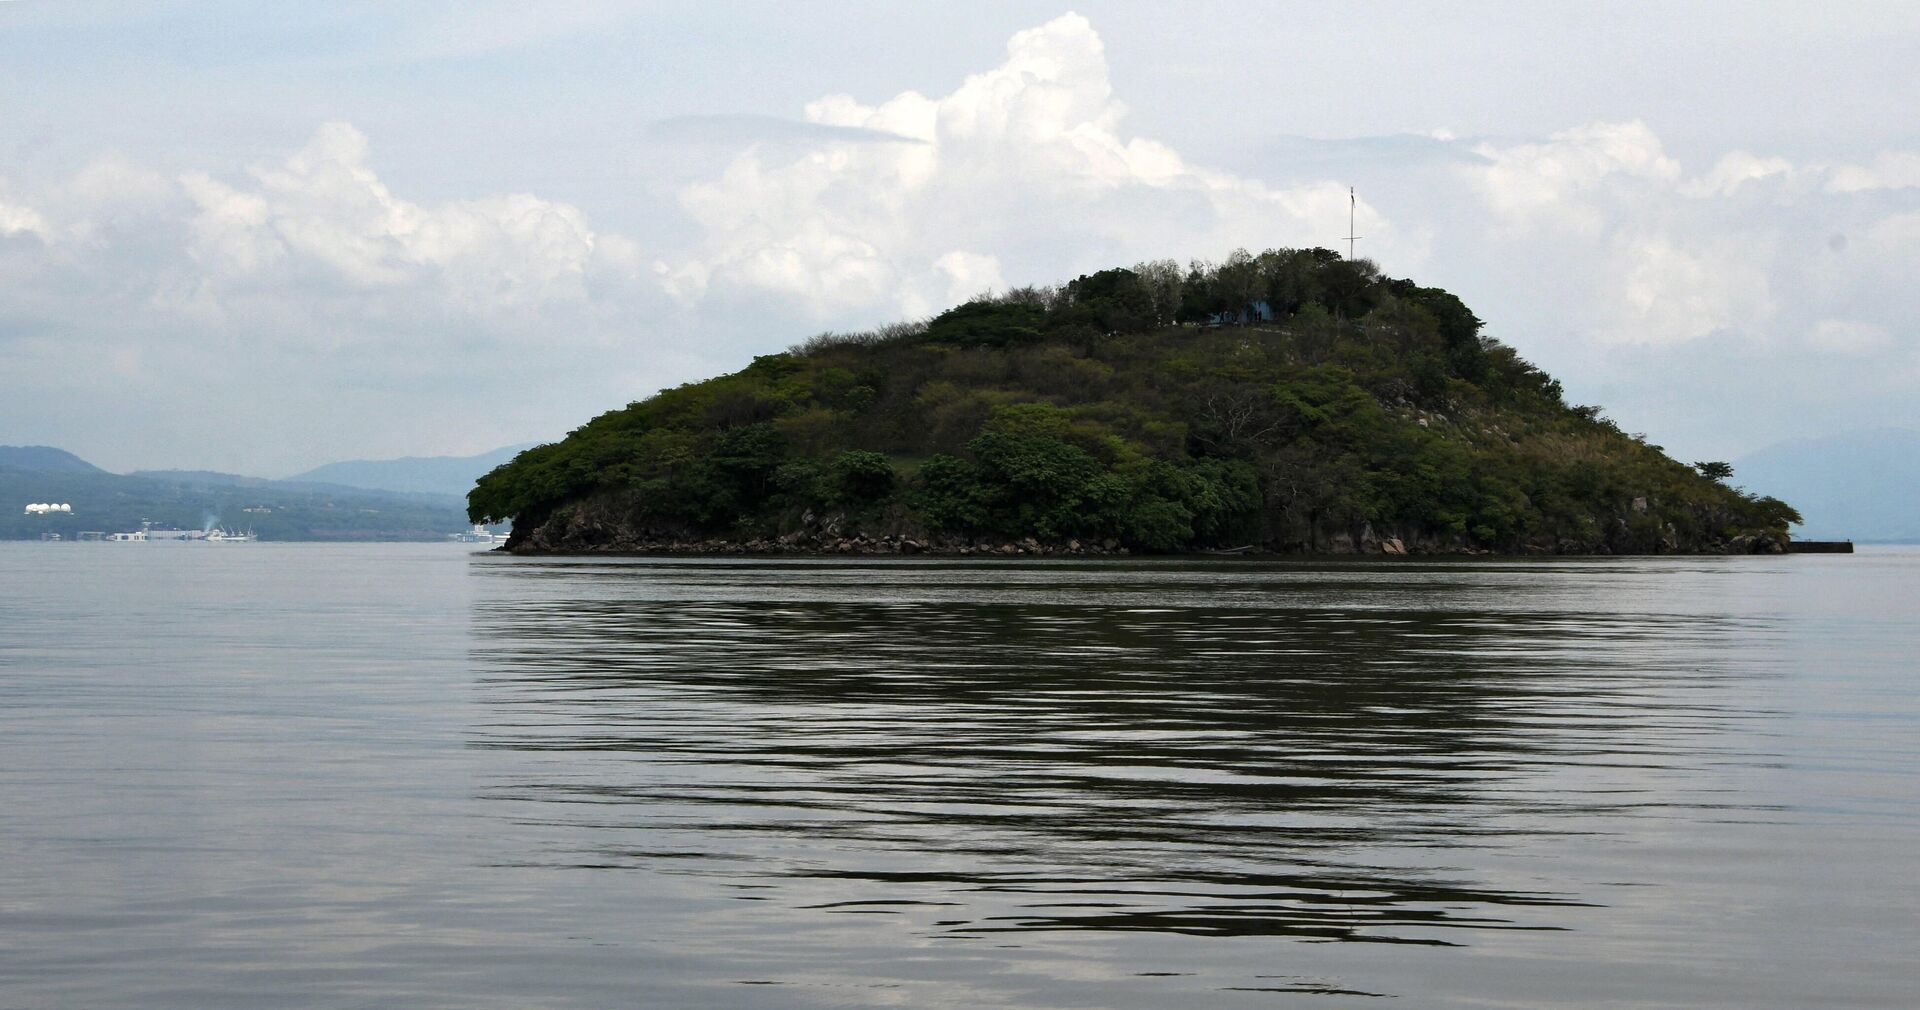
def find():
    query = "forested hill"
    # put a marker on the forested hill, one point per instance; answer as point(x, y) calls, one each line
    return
point(43, 458)
point(1286, 401)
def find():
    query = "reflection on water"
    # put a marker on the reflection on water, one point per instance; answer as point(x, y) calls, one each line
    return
point(1214, 751)
point(303, 776)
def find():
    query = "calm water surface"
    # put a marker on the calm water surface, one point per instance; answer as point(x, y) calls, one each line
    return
point(414, 776)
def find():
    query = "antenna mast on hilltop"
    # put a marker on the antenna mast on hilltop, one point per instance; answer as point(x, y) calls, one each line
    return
point(1352, 201)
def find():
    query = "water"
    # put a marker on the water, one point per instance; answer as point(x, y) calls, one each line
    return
point(377, 776)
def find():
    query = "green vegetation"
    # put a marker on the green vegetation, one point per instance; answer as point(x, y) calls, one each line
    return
point(1292, 400)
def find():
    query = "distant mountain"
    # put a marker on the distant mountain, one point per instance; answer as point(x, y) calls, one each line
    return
point(442, 475)
point(1863, 485)
point(43, 458)
point(192, 499)
point(200, 477)
point(216, 478)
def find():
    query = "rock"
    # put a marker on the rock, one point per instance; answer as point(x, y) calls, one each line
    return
point(1392, 545)
point(1640, 505)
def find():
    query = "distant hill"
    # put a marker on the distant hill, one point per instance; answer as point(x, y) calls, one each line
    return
point(43, 458)
point(276, 510)
point(441, 475)
point(215, 478)
point(1863, 485)
point(200, 477)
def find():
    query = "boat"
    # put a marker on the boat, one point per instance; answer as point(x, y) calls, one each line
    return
point(224, 536)
point(478, 535)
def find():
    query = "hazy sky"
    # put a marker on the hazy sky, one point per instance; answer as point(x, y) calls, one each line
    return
point(259, 237)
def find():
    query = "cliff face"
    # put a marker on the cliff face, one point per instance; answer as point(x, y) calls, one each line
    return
point(1354, 414)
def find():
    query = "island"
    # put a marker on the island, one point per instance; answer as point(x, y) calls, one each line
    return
point(1292, 401)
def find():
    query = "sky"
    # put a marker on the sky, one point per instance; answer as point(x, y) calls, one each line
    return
point(262, 237)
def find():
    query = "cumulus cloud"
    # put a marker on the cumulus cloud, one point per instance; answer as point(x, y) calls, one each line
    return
point(316, 248)
point(1736, 169)
point(17, 220)
point(1669, 294)
point(1564, 181)
point(1889, 170)
point(126, 291)
point(1032, 154)
point(1755, 248)
point(324, 219)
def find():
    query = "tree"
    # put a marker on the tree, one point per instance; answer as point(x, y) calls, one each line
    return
point(1715, 470)
point(1240, 283)
point(1163, 282)
point(986, 324)
point(1349, 287)
point(1111, 301)
point(1076, 412)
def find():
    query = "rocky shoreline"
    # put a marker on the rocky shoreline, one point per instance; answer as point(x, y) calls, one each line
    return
point(572, 539)
point(607, 524)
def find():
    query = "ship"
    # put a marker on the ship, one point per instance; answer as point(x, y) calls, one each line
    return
point(478, 535)
point(224, 536)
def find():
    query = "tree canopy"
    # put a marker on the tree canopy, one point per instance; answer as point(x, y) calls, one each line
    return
point(1291, 399)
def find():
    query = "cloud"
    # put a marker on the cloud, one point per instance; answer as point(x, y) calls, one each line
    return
point(1847, 336)
point(1668, 294)
point(1563, 182)
point(315, 250)
point(323, 222)
point(1643, 255)
point(1736, 169)
point(372, 318)
point(1640, 252)
point(18, 220)
point(1016, 164)
point(1889, 170)
point(312, 297)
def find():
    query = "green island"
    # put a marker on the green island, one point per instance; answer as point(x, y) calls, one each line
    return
point(1291, 401)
